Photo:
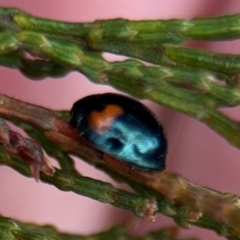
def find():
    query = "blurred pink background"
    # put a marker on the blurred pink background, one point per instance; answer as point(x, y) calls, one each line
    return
point(195, 151)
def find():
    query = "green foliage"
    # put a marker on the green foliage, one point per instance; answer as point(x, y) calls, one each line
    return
point(181, 78)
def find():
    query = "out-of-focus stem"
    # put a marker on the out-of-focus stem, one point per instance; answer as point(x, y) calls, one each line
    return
point(15, 230)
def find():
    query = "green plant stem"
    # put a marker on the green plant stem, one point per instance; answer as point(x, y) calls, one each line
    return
point(15, 230)
point(197, 58)
point(105, 192)
point(65, 161)
point(172, 55)
point(194, 93)
point(95, 189)
point(33, 69)
point(181, 84)
point(148, 31)
point(185, 202)
point(148, 40)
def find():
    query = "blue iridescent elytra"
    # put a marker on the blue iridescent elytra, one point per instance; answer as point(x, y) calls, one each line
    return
point(123, 128)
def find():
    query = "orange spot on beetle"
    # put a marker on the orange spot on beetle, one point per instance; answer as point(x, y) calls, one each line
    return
point(101, 121)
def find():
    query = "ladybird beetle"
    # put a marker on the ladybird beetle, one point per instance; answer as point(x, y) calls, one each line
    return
point(123, 128)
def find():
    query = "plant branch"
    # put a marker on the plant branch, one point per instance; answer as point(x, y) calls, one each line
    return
point(15, 230)
point(149, 31)
point(186, 202)
point(186, 81)
point(170, 86)
point(147, 40)
point(95, 189)
point(172, 55)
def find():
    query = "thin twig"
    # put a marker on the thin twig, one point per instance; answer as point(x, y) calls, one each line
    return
point(199, 203)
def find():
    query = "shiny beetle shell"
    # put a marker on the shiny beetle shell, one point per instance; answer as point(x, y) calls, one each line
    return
point(122, 128)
